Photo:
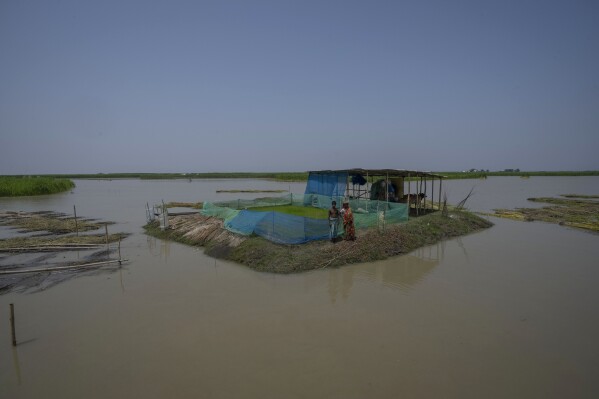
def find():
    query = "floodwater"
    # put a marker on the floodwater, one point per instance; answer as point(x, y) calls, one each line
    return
point(507, 312)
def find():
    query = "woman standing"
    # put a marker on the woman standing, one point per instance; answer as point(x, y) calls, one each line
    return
point(348, 222)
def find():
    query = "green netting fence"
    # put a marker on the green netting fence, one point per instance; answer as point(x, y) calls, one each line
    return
point(281, 227)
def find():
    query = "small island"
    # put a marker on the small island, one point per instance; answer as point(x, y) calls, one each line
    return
point(396, 212)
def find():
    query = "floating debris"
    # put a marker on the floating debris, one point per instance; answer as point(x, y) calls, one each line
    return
point(579, 213)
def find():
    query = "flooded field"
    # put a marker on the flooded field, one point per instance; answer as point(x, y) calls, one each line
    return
point(507, 312)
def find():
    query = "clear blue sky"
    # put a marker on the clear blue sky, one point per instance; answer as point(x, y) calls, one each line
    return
point(199, 86)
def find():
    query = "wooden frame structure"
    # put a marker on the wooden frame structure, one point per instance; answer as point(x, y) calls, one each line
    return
point(416, 200)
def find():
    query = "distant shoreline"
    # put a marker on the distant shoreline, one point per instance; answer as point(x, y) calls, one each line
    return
point(294, 176)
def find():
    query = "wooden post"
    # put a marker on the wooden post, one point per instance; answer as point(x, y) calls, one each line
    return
point(433, 194)
point(107, 251)
point(12, 324)
point(409, 192)
point(425, 195)
point(387, 188)
point(440, 186)
point(368, 193)
point(120, 250)
point(418, 190)
point(76, 227)
point(347, 186)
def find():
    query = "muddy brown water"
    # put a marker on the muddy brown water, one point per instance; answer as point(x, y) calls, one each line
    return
point(507, 312)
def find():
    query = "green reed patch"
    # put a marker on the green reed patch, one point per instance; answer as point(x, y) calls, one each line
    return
point(24, 186)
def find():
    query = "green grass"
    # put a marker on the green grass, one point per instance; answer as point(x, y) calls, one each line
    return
point(306, 211)
point(24, 186)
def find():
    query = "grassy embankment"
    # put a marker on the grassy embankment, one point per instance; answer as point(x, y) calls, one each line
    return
point(263, 255)
point(303, 176)
point(578, 211)
point(24, 186)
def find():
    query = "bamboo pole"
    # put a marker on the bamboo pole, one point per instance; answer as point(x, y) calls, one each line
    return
point(12, 324)
point(347, 185)
point(107, 249)
point(368, 193)
point(57, 268)
point(76, 226)
point(409, 192)
point(387, 188)
point(418, 189)
point(440, 186)
point(424, 206)
point(50, 248)
point(433, 194)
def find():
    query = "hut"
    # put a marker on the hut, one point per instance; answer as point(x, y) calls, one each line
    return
point(412, 187)
point(378, 197)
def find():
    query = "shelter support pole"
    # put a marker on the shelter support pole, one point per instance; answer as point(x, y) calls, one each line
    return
point(424, 195)
point(433, 194)
point(387, 188)
point(409, 192)
point(418, 191)
point(347, 185)
point(440, 186)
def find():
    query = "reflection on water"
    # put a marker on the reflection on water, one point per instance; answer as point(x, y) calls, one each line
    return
point(401, 273)
point(159, 248)
point(340, 282)
point(17, 364)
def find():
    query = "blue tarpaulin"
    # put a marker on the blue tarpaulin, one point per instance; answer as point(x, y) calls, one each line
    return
point(330, 185)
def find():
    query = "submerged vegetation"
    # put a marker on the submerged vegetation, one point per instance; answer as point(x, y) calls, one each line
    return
point(52, 228)
point(47, 221)
point(578, 211)
point(263, 255)
point(23, 267)
point(58, 242)
point(24, 186)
